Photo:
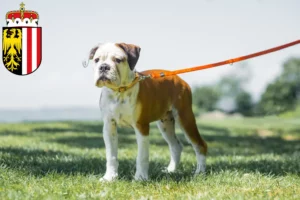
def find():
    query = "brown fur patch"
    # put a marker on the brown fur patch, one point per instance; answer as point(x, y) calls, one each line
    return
point(132, 51)
point(155, 98)
point(93, 51)
point(143, 128)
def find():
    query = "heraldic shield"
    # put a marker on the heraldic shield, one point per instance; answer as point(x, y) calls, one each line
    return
point(22, 41)
point(22, 49)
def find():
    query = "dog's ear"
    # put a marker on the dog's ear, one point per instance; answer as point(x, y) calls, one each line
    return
point(93, 51)
point(91, 55)
point(133, 53)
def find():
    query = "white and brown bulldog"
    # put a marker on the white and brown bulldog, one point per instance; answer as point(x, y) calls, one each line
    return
point(128, 100)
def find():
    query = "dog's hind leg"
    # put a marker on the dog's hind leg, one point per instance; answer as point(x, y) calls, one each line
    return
point(167, 128)
point(185, 118)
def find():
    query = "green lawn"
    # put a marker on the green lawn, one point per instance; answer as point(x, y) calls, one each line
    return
point(248, 159)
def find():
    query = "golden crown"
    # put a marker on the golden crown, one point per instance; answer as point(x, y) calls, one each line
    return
point(21, 16)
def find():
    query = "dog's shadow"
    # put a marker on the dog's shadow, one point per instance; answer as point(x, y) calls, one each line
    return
point(40, 162)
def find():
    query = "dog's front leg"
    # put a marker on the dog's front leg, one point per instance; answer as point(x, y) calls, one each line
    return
point(111, 147)
point(142, 161)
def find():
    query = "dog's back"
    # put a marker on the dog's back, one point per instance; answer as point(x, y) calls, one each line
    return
point(167, 93)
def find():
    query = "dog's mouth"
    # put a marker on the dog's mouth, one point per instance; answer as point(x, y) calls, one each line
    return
point(103, 80)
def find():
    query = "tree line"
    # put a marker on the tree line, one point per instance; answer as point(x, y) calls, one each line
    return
point(281, 95)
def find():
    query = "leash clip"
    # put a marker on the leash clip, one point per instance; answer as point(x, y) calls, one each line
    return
point(141, 78)
point(162, 74)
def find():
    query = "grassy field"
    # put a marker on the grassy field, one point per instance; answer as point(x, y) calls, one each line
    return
point(248, 159)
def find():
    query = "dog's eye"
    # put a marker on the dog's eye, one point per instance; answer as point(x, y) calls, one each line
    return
point(96, 60)
point(118, 60)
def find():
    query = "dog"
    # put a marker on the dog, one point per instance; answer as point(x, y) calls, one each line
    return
point(128, 100)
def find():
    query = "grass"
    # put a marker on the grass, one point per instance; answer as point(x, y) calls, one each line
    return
point(248, 159)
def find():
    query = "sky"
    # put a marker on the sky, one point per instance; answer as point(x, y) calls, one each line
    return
point(172, 35)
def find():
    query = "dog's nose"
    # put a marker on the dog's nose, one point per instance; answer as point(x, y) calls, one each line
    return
point(104, 67)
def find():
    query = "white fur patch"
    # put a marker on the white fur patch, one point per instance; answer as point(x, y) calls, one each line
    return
point(167, 130)
point(111, 147)
point(116, 108)
point(142, 160)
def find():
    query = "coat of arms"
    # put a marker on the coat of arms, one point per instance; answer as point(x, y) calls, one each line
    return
point(22, 41)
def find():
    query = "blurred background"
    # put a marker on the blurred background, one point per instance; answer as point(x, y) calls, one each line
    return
point(172, 35)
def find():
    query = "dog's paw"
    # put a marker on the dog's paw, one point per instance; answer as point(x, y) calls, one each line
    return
point(169, 169)
point(200, 169)
point(109, 177)
point(165, 170)
point(141, 177)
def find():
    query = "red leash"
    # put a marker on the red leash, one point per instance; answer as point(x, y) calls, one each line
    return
point(230, 61)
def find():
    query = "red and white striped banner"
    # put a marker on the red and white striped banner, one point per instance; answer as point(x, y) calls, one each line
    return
point(31, 49)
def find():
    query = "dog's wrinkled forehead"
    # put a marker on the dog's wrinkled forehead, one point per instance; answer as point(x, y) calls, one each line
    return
point(108, 50)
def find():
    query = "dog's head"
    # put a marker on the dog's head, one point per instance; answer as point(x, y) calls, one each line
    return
point(114, 63)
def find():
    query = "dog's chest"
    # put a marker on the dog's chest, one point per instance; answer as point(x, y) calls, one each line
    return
point(122, 112)
point(120, 107)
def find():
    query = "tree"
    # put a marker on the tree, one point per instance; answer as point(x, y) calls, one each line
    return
point(206, 97)
point(232, 89)
point(278, 97)
point(244, 103)
point(282, 95)
point(231, 84)
point(291, 73)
